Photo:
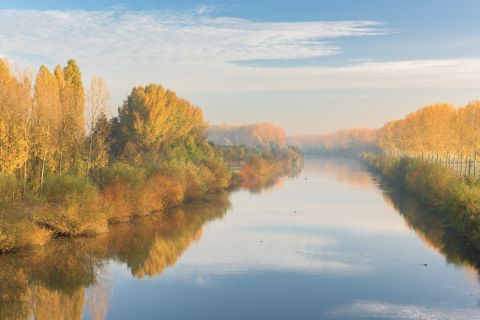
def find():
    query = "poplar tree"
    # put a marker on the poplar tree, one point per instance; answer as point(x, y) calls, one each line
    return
point(46, 118)
point(72, 101)
point(15, 107)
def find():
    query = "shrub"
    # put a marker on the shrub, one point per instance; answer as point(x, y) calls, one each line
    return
point(169, 190)
point(124, 174)
point(15, 234)
point(221, 172)
point(7, 238)
point(68, 188)
point(116, 200)
point(190, 178)
point(73, 218)
point(10, 188)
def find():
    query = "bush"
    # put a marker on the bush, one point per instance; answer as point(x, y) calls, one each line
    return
point(222, 174)
point(68, 188)
point(73, 218)
point(170, 191)
point(116, 200)
point(122, 173)
point(10, 188)
point(191, 180)
point(16, 234)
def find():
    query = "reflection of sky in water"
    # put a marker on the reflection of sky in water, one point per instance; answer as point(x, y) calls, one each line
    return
point(323, 245)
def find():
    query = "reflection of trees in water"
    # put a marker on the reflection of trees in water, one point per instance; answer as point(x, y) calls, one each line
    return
point(45, 284)
point(433, 229)
point(57, 281)
point(14, 292)
point(276, 178)
point(344, 171)
point(428, 226)
point(160, 242)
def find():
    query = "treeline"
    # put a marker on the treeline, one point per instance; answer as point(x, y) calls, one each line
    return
point(67, 169)
point(54, 127)
point(345, 142)
point(258, 136)
point(436, 129)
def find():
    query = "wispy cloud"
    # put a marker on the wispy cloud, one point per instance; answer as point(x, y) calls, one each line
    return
point(169, 36)
point(385, 310)
point(190, 51)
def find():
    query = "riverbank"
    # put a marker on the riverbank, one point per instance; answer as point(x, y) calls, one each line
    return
point(449, 196)
point(71, 206)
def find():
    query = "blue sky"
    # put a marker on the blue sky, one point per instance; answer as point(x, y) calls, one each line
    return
point(310, 66)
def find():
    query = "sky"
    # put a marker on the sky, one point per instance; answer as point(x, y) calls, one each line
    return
point(310, 66)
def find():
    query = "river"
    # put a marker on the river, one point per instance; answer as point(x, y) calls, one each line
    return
point(332, 242)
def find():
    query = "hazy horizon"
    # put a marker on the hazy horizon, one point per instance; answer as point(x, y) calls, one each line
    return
point(309, 66)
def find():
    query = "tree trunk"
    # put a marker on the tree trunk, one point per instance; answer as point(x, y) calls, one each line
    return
point(89, 153)
point(24, 178)
point(43, 171)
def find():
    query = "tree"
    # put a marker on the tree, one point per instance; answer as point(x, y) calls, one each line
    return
point(46, 118)
point(15, 108)
point(97, 101)
point(153, 119)
point(469, 118)
point(100, 143)
point(73, 108)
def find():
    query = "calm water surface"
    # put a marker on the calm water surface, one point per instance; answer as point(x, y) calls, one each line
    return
point(330, 243)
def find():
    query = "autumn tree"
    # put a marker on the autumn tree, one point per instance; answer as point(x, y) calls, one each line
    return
point(72, 100)
point(46, 118)
point(469, 125)
point(15, 108)
point(151, 121)
point(100, 143)
point(97, 101)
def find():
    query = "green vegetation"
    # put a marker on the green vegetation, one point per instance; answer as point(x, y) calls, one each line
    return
point(450, 196)
point(67, 170)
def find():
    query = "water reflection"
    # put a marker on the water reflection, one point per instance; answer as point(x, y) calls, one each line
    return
point(433, 230)
point(345, 171)
point(50, 283)
point(299, 251)
point(259, 183)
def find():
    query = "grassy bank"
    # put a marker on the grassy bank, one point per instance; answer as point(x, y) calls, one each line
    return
point(446, 194)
